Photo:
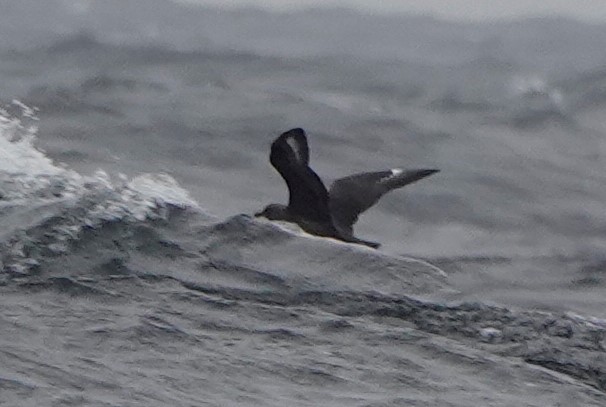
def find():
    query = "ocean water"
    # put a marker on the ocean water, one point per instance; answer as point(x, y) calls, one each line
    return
point(134, 143)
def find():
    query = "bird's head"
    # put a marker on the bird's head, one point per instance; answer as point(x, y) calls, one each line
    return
point(274, 212)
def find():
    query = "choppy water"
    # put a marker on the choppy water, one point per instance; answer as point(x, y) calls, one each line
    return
point(131, 274)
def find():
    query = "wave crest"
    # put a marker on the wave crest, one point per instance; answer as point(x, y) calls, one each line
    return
point(44, 205)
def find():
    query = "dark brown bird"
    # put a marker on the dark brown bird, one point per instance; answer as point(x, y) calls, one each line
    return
point(328, 213)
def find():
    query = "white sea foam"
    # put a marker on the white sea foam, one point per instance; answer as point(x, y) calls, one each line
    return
point(26, 173)
point(43, 190)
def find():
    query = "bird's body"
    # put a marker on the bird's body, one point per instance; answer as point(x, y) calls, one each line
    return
point(328, 213)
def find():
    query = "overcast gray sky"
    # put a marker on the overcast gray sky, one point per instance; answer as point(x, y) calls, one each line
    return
point(593, 10)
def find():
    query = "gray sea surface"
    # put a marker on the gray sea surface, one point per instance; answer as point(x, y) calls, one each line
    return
point(134, 143)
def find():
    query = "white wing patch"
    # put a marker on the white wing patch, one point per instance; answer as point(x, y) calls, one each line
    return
point(394, 173)
point(292, 142)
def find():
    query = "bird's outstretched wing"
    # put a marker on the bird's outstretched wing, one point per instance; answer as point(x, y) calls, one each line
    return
point(308, 198)
point(352, 195)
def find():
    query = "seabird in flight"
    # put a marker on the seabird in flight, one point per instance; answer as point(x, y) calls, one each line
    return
point(328, 213)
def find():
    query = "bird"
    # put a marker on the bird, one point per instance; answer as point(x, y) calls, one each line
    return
point(328, 213)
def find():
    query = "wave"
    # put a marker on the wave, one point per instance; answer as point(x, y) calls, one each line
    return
point(81, 41)
point(44, 206)
point(452, 103)
point(239, 264)
point(534, 101)
point(61, 100)
point(145, 241)
point(47, 209)
point(95, 47)
point(105, 83)
point(586, 89)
